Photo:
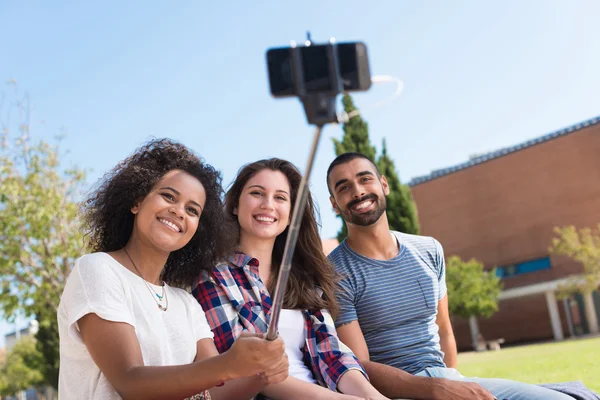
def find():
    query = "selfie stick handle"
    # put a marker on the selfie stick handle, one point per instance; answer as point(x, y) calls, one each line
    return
point(292, 238)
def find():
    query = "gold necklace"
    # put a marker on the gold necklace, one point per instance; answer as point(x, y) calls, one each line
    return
point(159, 297)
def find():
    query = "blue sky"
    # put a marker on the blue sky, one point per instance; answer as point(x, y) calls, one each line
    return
point(478, 76)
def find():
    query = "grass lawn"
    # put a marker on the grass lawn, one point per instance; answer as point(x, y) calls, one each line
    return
point(540, 363)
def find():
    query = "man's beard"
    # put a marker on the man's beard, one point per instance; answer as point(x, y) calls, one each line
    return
point(366, 218)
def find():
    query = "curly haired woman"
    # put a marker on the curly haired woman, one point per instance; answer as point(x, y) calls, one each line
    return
point(126, 330)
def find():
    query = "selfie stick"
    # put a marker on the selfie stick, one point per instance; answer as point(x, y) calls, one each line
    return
point(292, 237)
point(320, 110)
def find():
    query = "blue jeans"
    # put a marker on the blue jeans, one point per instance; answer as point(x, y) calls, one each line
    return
point(503, 389)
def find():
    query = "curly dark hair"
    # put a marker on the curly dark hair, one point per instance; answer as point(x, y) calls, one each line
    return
point(108, 220)
point(311, 270)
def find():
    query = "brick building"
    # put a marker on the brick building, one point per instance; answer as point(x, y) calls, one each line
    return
point(501, 208)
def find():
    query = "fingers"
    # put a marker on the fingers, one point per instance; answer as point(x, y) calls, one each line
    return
point(251, 334)
point(278, 372)
point(463, 390)
point(275, 351)
point(278, 343)
point(267, 354)
point(275, 378)
point(481, 392)
point(253, 354)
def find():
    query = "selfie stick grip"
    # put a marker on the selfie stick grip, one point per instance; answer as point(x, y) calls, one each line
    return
point(292, 238)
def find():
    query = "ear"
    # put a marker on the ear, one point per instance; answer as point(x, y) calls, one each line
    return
point(336, 209)
point(385, 185)
point(135, 209)
point(235, 211)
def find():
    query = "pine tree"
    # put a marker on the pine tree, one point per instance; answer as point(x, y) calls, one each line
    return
point(401, 209)
point(356, 134)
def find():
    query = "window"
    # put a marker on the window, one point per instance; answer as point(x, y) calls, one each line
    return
point(507, 271)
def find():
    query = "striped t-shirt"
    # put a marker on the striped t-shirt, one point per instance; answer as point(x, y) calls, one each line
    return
point(395, 301)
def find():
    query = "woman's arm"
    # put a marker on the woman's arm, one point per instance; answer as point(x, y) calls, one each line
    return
point(243, 387)
point(354, 382)
point(296, 389)
point(330, 357)
point(115, 349)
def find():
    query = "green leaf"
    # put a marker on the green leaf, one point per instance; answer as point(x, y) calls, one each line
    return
point(472, 291)
point(582, 246)
point(40, 235)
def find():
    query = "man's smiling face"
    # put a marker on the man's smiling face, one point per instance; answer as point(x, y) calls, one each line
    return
point(358, 192)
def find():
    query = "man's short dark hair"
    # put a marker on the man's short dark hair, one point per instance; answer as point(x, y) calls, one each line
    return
point(346, 158)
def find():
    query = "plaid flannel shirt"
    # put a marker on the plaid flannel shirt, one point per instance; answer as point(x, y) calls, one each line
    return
point(235, 300)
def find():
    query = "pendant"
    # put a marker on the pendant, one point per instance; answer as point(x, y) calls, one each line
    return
point(159, 296)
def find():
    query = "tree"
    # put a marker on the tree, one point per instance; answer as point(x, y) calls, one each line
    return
point(356, 134)
point(472, 291)
point(583, 246)
point(47, 344)
point(40, 237)
point(22, 368)
point(401, 209)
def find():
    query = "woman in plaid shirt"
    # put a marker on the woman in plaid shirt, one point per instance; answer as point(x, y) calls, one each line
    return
point(235, 295)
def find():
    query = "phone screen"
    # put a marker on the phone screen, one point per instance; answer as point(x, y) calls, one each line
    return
point(315, 65)
point(317, 73)
point(348, 62)
point(280, 72)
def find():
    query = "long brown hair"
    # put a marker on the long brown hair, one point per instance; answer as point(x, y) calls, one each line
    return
point(310, 268)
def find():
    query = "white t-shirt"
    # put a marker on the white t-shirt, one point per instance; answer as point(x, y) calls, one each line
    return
point(99, 284)
point(291, 330)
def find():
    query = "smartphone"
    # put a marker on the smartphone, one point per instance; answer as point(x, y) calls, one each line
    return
point(326, 68)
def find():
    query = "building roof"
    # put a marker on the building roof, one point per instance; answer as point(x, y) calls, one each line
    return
point(502, 152)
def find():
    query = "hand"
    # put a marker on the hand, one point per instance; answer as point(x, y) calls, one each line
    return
point(278, 372)
point(251, 354)
point(447, 389)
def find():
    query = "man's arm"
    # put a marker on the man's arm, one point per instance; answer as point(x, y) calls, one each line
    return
point(447, 340)
point(393, 382)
